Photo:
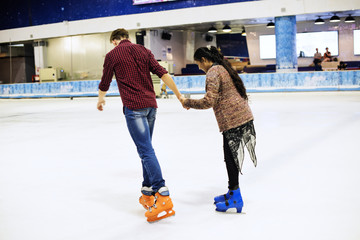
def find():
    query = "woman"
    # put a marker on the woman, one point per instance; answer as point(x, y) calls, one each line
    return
point(327, 55)
point(226, 94)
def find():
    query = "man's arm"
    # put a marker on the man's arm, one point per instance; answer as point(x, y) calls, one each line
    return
point(171, 84)
point(105, 82)
point(101, 100)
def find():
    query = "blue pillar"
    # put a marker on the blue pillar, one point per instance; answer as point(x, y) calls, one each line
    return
point(285, 35)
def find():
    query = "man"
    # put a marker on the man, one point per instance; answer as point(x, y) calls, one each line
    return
point(317, 56)
point(317, 60)
point(132, 64)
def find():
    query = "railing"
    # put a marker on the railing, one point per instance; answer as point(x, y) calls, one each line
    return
point(266, 82)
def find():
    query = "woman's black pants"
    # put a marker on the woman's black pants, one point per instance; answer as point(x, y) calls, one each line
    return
point(232, 170)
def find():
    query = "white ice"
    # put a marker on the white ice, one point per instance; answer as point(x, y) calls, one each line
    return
point(70, 172)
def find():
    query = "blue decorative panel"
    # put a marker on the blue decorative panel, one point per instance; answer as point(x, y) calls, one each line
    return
point(14, 14)
point(285, 34)
point(261, 82)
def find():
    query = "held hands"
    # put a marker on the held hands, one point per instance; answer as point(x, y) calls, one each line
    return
point(100, 104)
point(182, 100)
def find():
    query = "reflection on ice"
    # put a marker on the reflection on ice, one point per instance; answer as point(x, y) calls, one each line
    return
point(68, 171)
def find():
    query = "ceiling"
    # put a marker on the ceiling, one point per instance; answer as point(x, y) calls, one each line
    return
point(237, 25)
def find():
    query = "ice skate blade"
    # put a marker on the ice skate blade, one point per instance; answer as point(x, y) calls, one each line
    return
point(231, 211)
point(155, 219)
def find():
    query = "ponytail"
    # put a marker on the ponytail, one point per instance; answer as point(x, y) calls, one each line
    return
point(213, 55)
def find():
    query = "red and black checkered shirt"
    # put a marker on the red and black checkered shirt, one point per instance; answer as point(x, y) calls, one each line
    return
point(132, 64)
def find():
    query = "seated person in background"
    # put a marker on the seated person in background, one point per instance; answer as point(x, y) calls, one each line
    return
point(327, 55)
point(163, 91)
point(342, 66)
point(317, 57)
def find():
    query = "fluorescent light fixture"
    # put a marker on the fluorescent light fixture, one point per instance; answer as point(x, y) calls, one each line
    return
point(17, 45)
point(243, 33)
point(270, 25)
point(349, 19)
point(334, 18)
point(227, 28)
point(212, 30)
point(319, 21)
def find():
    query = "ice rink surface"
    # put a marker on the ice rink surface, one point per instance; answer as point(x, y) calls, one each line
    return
point(70, 172)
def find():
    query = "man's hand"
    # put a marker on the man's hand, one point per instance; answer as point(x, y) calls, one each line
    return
point(182, 100)
point(101, 100)
point(100, 105)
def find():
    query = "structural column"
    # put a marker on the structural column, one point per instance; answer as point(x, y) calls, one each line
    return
point(40, 55)
point(189, 39)
point(285, 35)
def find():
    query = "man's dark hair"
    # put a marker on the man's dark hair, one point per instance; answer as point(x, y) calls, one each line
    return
point(119, 33)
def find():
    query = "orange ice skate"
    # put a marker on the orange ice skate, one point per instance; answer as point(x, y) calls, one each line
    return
point(147, 201)
point(162, 207)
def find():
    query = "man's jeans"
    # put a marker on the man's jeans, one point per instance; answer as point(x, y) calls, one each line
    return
point(140, 123)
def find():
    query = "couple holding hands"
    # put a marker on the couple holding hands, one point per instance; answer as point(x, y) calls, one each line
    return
point(225, 93)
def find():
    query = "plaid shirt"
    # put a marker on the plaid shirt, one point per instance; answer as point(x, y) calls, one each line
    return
point(132, 64)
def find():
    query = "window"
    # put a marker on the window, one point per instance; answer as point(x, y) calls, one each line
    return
point(305, 42)
point(267, 47)
point(356, 42)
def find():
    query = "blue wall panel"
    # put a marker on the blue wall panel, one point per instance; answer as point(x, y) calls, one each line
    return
point(285, 33)
point(14, 14)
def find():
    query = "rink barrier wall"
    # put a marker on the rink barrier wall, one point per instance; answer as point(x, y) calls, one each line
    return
point(264, 82)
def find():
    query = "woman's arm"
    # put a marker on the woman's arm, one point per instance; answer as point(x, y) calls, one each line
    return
point(211, 95)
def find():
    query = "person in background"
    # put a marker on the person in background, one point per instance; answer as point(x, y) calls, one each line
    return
point(132, 64)
point(226, 94)
point(163, 90)
point(342, 66)
point(317, 60)
point(327, 55)
point(317, 57)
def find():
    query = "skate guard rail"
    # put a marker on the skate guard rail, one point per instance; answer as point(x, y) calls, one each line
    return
point(264, 82)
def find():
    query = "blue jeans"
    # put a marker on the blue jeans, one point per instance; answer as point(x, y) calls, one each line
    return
point(140, 123)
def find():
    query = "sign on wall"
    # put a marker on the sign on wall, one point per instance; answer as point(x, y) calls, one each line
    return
point(138, 2)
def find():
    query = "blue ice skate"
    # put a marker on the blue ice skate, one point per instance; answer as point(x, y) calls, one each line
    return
point(222, 198)
point(232, 204)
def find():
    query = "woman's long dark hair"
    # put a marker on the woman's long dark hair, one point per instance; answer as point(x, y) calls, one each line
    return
point(213, 55)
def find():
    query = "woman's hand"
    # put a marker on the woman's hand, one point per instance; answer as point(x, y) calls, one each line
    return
point(182, 100)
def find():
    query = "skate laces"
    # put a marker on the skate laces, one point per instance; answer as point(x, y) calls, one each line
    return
point(153, 206)
point(227, 200)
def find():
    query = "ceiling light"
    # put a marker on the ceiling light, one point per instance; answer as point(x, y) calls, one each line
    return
point(212, 30)
point(270, 25)
point(349, 19)
point(243, 33)
point(227, 28)
point(334, 19)
point(319, 21)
